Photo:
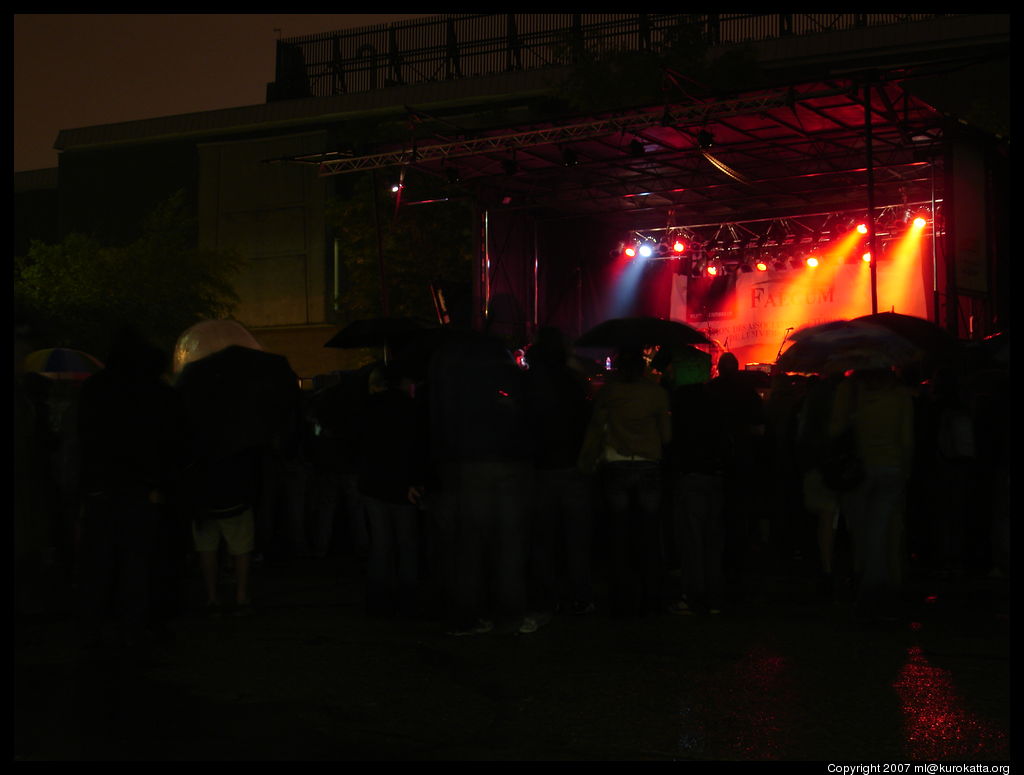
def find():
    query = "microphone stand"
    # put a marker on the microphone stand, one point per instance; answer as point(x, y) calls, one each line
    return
point(782, 343)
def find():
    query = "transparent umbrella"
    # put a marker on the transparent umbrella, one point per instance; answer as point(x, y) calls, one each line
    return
point(844, 345)
point(210, 336)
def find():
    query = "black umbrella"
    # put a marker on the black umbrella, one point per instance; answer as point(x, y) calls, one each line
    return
point(239, 398)
point(641, 332)
point(926, 335)
point(377, 332)
point(413, 355)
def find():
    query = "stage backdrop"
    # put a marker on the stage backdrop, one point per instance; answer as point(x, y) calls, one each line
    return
point(748, 314)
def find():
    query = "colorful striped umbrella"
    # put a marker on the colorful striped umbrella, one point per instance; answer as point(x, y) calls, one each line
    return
point(62, 363)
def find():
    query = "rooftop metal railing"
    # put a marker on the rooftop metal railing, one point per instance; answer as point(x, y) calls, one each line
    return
point(453, 46)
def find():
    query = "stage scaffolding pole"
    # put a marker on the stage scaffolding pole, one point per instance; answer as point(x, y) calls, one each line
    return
point(870, 163)
point(385, 307)
point(936, 300)
point(486, 265)
point(536, 283)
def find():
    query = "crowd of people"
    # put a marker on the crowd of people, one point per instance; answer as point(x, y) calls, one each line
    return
point(493, 494)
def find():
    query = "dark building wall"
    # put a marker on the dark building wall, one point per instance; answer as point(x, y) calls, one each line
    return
point(35, 209)
point(272, 216)
point(108, 193)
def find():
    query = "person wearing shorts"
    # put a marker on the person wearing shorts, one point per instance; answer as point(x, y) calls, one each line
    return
point(230, 490)
point(237, 532)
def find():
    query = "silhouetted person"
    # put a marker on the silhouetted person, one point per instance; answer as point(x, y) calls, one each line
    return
point(481, 446)
point(956, 516)
point(698, 460)
point(133, 445)
point(880, 411)
point(230, 486)
point(743, 427)
point(562, 524)
point(632, 415)
point(339, 518)
point(390, 443)
point(819, 500)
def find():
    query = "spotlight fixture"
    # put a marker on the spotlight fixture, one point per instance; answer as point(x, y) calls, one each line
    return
point(678, 246)
point(812, 262)
point(646, 250)
point(862, 228)
point(761, 265)
point(866, 258)
point(919, 222)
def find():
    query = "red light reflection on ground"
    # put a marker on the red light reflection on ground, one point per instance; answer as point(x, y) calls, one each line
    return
point(937, 725)
point(760, 694)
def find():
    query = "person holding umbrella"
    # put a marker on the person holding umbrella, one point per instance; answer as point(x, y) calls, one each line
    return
point(239, 403)
point(133, 448)
point(632, 423)
point(879, 411)
point(390, 438)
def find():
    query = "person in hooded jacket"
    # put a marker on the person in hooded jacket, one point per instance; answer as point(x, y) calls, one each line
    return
point(134, 444)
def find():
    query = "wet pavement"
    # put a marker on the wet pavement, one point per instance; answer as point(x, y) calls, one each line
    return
point(782, 676)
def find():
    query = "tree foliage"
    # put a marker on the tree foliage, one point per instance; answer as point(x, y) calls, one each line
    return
point(77, 292)
point(420, 244)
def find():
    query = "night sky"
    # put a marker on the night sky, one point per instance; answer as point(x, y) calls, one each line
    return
point(77, 70)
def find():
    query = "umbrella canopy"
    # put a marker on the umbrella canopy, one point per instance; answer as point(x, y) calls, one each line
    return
point(926, 335)
point(414, 353)
point(239, 398)
point(209, 336)
point(376, 332)
point(641, 332)
point(62, 363)
point(843, 345)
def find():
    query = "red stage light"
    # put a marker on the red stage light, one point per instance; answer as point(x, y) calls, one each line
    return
point(678, 246)
point(862, 228)
point(712, 270)
point(866, 258)
point(919, 222)
point(761, 266)
point(631, 252)
point(812, 261)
